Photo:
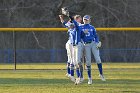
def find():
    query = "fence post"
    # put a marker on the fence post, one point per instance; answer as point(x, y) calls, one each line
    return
point(14, 48)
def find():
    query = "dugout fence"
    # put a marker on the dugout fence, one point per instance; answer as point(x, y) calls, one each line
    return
point(39, 48)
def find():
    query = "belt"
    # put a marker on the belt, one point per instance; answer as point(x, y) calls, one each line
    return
point(74, 44)
point(88, 42)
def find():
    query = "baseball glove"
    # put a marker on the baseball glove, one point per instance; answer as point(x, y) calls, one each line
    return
point(65, 11)
point(98, 45)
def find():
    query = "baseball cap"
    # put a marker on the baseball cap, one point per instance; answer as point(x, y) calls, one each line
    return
point(87, 17)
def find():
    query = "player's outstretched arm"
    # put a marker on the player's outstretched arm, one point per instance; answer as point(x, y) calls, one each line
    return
point(65, 11)
point(75, 23)
point(63, 21)
point(61, 18)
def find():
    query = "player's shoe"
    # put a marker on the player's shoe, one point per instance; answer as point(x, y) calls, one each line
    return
point(89, 81)
point(102, 77)
point(72, 78)
point(67, 75)
point(79, 80)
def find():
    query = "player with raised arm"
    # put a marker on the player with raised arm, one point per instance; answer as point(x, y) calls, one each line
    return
point(91, 44)
point(77, 48)
point(69, 48)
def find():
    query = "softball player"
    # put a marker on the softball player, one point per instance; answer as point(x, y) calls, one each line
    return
point(68, 45)
point(73, 49)
point(91, 44)
point(77, 47)
point(78, 50)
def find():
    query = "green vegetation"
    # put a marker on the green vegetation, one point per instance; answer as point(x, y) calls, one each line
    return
point(121, 78)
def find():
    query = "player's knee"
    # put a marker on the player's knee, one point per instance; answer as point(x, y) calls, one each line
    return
point(81, 68)
point(76, 66)
point(68, 64)
point(80, 64)
point(98, 61)
point(71, 66)
point(88, 67)
point(88, 63)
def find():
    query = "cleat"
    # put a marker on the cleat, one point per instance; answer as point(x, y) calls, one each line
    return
point(72, 78)
point(102, 78)
point(89, 81)
point(79, 80)
point(67, 75)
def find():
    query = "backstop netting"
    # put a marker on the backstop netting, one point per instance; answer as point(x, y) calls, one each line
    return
point(45, 47)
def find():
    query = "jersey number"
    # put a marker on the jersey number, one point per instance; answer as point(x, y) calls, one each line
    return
point(87, 34)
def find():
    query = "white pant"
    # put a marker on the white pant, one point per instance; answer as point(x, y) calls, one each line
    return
point(69, 48)
point(91, 48)
point(74, 53)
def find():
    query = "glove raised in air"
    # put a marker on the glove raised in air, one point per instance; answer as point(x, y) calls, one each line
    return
point(65, 11)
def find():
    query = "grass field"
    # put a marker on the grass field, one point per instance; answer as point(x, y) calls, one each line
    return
point(121, 78)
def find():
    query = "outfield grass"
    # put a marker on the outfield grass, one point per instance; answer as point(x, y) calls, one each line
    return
point(121, 78)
